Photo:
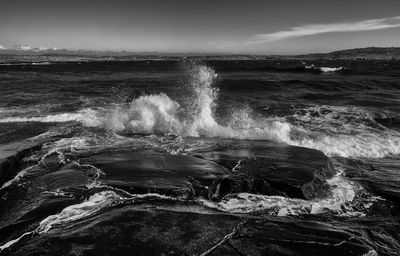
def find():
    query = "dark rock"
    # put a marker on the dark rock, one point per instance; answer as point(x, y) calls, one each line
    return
point(11, 156)
point(149, 171)
point(135, 230)
point(279, 170)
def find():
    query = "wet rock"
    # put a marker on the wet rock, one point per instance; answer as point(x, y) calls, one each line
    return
point(279, 170)
point(290, 237)
point(373, 176)
point(149, 171)
point(11, 156)
point(135, 230)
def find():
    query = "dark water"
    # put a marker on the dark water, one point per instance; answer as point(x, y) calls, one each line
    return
point(200, 158)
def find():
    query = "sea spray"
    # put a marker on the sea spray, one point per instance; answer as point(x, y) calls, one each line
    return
point(336, 131)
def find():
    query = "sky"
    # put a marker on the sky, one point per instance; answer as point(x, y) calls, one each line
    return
point(234, 26)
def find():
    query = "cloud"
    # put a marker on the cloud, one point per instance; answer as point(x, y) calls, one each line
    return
point(26, 47)
point(23, 47)
point(314, 29)
point(2, 47)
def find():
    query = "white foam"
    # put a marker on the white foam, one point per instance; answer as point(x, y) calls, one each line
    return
point(147, 114)
point(324, 69)
point(354, 146)
point(371, 253)
point(19, 175)
point(75, 212)
point(339, 201)
point(159, 114)
point(91, 206)
point(11, 242)
point(343, 131)
point(328, 69)
point(42, 63)
point(72, 213)
point(336, 131)
point(87, 116)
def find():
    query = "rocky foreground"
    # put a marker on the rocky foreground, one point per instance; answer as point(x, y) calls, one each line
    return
point(147, 202)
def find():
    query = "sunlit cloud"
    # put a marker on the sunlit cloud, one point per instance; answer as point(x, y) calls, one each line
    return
point(314, 29)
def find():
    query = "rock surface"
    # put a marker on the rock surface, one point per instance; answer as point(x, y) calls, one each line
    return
point(153, 172)
point(286, 170)
point(148, 231)
point(11, 156)
point(277, 170)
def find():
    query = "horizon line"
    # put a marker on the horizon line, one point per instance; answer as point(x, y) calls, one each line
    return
point(37, 51)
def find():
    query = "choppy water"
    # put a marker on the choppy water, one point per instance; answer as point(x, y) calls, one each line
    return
point(219, 157)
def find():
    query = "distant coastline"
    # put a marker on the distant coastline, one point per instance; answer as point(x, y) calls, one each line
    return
point(368, 53)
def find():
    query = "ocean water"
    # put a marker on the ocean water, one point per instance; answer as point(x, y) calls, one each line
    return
point(184, 157)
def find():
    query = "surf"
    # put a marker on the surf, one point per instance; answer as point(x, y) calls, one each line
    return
point(336, 131)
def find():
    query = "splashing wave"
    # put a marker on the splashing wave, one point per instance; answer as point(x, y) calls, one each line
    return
point(336, 131)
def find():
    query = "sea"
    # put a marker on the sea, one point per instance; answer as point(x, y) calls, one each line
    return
point(200, 157)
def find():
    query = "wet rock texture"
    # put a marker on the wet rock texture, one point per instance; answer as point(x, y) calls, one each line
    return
point(153, 172)
point(177, 226)
point(285, 171)
point(147, 231)
point(11, 156)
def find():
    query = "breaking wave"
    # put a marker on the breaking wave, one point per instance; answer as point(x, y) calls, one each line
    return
point(336, 131)
point(159, 114)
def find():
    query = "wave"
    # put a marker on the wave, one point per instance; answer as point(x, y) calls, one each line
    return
point(87, 117)
point(26, 63)
point(42, 63)
point(343, 131)
point(324, 69)
point(336, 131)
point(159, 114)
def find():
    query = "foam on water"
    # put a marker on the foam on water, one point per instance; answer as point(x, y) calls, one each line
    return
point(342, 193)
point(87, 117)
point(336, 131)
point(162, 115)
point(93, 205)
point(328, 69)
point(75, 212)
point(72, 213)
point(159, 114)
point(16, 240)
point(339, 201)
point(343, 131)
point(324, 69)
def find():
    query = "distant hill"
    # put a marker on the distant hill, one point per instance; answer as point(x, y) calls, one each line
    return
point(362, 53)
point(37, 54)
